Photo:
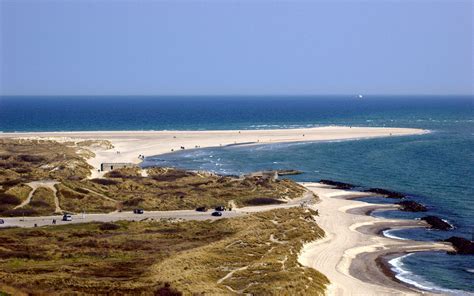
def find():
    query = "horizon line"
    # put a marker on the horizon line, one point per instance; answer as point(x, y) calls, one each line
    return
point(237, 95)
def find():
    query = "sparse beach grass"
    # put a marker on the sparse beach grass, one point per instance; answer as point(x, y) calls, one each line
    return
point(255, 254)
point(260, 259)
point(23, 161)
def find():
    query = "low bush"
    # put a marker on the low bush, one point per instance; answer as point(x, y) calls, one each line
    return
point(133, 202)
point(258, 201)
point(19, 212)
point(30, 158)
point(13, 182)
point(105, 181)
point(81, 190)
point(39, 204)
point(109, 226)
point(70, 194)
point(9, 199)
point(22, 170)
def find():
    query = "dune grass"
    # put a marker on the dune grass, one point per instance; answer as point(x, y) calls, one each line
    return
point(23, 161)
point(255, 254)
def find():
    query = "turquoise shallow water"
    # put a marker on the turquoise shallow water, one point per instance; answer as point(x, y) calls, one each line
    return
point(436, 169)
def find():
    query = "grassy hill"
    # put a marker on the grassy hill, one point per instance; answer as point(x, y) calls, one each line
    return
point(255, 254)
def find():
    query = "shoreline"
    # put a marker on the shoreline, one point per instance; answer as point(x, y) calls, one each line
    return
point(352, 256)
point(355, 254)
point(128, 145)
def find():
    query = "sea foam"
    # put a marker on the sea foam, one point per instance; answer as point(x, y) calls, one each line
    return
point(417, 281)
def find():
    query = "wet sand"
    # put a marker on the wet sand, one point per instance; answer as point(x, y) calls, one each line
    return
point(354, 254)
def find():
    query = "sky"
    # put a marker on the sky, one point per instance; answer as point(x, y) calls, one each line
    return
point(260, 47)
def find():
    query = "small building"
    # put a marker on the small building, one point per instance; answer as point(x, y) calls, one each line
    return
point(267, 175)
point(109, 166)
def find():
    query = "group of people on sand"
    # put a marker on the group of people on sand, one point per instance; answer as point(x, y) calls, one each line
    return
point(142, 157)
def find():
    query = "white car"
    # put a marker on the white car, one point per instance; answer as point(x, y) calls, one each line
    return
point(67, 217)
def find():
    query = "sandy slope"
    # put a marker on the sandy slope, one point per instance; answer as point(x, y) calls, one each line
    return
point(131, 144)
point(348, 253)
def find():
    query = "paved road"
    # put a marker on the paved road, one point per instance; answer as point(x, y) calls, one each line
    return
point(116, 216)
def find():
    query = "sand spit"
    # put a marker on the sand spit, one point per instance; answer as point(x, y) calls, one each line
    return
point(128, 145)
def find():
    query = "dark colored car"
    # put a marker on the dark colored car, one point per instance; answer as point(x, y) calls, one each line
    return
point(220, 208)
point(201, 209)
point(217, 214)
point(138, 211)
point(1, 221)
point(67, 217)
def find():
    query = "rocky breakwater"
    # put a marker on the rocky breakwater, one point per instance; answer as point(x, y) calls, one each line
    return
point(337, 185)
point(387, 193)
point(411, 206)
point(437, 223)
point(462, 245)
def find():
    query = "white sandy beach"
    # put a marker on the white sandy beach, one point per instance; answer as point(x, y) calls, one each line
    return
point(131, 144)
point(347, 254)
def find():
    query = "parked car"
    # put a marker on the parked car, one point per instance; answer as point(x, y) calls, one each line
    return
point(220, 208)
point(1, 221)
point(201, 209)
point(217, 214)
point(67, 217)
point(138, 211)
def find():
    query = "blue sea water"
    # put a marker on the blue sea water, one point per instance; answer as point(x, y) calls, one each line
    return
point(436, 169)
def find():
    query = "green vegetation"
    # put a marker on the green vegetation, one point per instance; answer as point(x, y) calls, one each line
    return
point(42, 202)
point(173, 189)
point(24, 161)
point(77, 199)
point(256, 254)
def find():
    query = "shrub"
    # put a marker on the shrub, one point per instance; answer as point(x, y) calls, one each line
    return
point(4, 156)
point(167, 290)
point(30, 158)
point(12, 182)
point(258, 201)
point(9, 199)
point(133, 202)
point(39, 204)
point(20, 212)
point(109, 226)
point(70, 194)
point(173, 175)
point(81, 190)
point(115, 174)
point(22, 170)
point(105, 181)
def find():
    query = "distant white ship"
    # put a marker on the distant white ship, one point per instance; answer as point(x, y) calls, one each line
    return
point(360, 96)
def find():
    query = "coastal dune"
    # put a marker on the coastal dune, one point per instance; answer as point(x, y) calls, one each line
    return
point(128, 145)
point(353, 254)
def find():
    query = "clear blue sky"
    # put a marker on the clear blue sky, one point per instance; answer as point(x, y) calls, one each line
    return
point(236, 47)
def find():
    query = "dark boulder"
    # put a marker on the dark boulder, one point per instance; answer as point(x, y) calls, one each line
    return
point(411, 206)
point(462, 245)
point(388, 193)
point(437, 223)
point(338, 185)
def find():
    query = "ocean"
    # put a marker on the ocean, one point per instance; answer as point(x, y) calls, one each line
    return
point(436, 169)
